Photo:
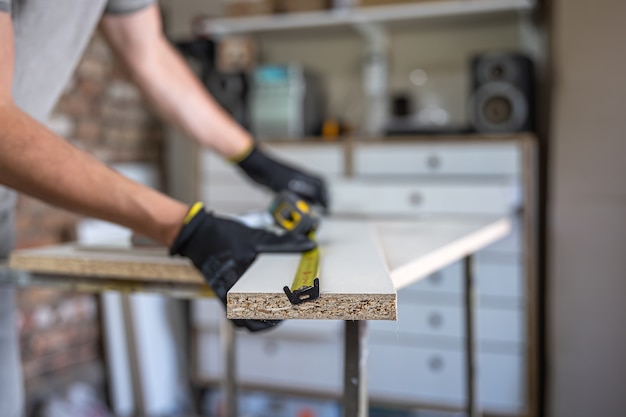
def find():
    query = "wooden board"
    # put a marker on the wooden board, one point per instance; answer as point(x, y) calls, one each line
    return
point(416, 249)
point(362, 263)
point(117, 261)
point(355, 282)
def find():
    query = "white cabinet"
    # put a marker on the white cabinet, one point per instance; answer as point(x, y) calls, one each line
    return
point(431, 320)
point(406, 196)
point(450, 160)
point(419, 359)
point(413, 373)
point(299, 354)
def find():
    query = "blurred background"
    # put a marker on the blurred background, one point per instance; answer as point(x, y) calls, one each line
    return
point(516, 103)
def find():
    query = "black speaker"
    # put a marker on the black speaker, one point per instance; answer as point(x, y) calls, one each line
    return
point(502, 93)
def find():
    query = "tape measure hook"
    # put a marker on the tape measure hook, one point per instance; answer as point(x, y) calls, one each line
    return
point(303, 294)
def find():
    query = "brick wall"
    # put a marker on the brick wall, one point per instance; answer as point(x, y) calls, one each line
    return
point(102, 113)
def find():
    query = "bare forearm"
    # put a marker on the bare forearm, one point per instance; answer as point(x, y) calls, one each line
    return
point(35, 161)
point(168, 83)
point(178, 95)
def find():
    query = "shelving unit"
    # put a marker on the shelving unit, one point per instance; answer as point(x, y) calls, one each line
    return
point(429, 331)
point(431, 166)
point(378, 14)
point(375, 27)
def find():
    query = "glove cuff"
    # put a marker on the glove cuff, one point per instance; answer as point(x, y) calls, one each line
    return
point(194, 216)
point(237, 159)
point(252, 159)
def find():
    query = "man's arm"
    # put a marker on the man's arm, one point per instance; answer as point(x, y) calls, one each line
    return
point(169, 84)
point(35, 161)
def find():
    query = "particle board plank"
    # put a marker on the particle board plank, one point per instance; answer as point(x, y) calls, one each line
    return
point(416, 249)
point(355, 282)
point(364, 262)
point(116, 261)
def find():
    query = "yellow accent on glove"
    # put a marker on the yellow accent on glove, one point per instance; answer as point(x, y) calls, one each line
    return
point(241, 156)
point(192, 212)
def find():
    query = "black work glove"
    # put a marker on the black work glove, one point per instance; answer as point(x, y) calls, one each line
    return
point(223, 250)
point(279, 176)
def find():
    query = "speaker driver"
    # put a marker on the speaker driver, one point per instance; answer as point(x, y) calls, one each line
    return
point(497, 67)
point(498, 107)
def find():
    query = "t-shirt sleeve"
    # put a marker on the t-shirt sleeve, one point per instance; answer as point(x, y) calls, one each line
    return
point(5, 6)
point(124, 6)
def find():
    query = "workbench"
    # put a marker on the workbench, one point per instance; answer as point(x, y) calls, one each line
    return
point(364, 262)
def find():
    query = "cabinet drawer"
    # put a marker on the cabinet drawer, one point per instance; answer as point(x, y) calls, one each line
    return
point(422, 159)
point(269, 362)
point(415, 375)
point(505, 280)
point(421, 320)
point(499, 280)
point(408, 197)
point(376, 197)
point(501, 382)
point(429, 376)
point(494, 325)
point(500, 325)
point(326, 160)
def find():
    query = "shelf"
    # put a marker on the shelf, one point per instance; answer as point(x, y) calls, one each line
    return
point(465, 137)
point(328, 18)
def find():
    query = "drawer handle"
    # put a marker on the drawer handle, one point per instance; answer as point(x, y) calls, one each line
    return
point(415, 198)
point(433, 162)
point(435, 363)
point(435, 320)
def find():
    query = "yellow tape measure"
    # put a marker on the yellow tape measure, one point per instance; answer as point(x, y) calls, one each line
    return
point(306, 283)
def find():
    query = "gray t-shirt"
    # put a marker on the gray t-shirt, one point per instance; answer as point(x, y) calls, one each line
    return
point(50, 37)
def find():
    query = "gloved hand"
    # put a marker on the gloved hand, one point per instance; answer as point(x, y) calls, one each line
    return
point(223, 250)
point(279, 176)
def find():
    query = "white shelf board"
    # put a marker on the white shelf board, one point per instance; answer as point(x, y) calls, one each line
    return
point(326, 18)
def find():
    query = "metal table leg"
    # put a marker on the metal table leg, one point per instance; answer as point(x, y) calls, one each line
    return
point(133, 354)
point(229, 382)
point(470, 334)
point(355, 402)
